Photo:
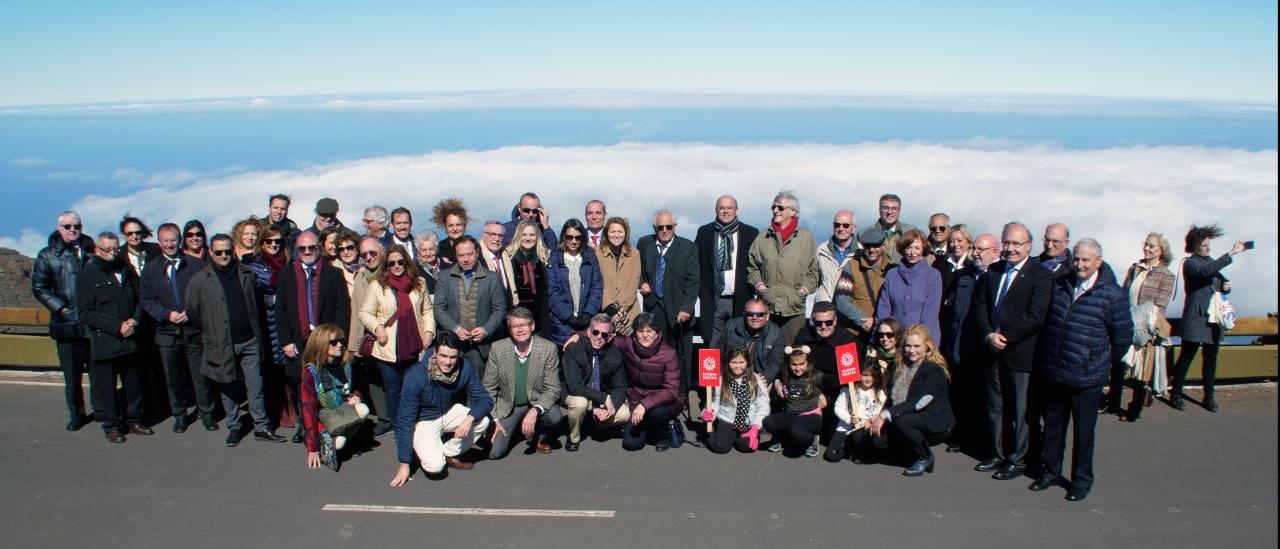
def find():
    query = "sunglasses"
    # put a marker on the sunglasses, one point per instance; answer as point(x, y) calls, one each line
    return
point(133, 233)
point(841, 225)
point(753, 314)
point(347, 248)
point(572, 237)
point(335, 343)
point(664, 228)
point(195, 234)
point(396, 263)
point(370, 253)
point(309, 249)
point(824, 323)
point(778, 207)
point(598, 333)
point(938, 229)
point(529, 210)
point(883, 335)
point(220, 253)
point(75, 227)
point(370, 221)
point(875, 245)
point(272, 241)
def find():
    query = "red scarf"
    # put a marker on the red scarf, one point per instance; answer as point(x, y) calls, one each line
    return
point(784, 233)
point(304, 320)
point(274, 263)
point(408, 341)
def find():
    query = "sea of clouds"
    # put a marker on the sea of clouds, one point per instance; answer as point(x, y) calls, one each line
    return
point(1115, 195)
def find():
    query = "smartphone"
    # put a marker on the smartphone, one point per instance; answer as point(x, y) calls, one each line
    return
point(1248, 244)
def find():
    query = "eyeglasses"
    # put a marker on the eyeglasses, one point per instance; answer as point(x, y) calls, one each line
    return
point(1015, 244)
point(195, 234)
point(885, 335)
point(841, 225)
point(573, 237)
point(335, 343)
point(890, 208)
point(220, 253)
point(875, 245)
point(396, 263)
point(347, 248)
point(494, 235)
point(370, 253)
point(824, 323)
point(308, 249)
point(111, 251)
point(938, 229)
point(370, 221)
point(753, 314)
point(75, 227)
point(133, 233)
point(664, 228)
point(598, 333)
point(521, 325)
point(272, 241)
point(779, 207)
point(1056, 242)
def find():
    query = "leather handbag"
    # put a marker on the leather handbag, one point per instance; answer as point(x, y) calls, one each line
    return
point(366, 342)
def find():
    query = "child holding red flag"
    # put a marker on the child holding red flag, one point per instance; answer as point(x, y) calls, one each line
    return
point(738, 406)
point(868, 399)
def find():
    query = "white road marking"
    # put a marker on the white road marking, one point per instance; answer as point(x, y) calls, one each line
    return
point(33, 383)
point(472, 511)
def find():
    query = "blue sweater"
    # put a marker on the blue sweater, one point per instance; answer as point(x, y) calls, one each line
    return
point(422, 399)
point(1084, 337)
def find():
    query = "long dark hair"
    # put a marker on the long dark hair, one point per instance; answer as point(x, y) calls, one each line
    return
point(726, 376)
point(410, 268)
point(195, 224)
point(814, 378)
point(1198, 234)
point(576, 225)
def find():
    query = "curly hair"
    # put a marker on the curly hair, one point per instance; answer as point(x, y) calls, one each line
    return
point(450, 206)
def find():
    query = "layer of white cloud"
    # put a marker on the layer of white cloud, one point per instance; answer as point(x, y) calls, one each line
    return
point(1115, 195)
point(25, 162)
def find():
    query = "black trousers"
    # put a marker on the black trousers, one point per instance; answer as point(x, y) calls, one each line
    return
point(1080, 407)
point(1208, 366)
point(187, 386)
point(1007, 404)
point(73, 358)
point(909, 430)
point(968, 401)
point(103, 374)
point(656, 420)
point(859, 442)
point(792, 429)
point(725, 438)
point(680, 337)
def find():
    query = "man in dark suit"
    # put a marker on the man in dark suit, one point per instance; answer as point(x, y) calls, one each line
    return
point(1009, 310)
point(164, 284)
point(595, 379)
point(669, 284)
point(309, 293)
point(964, 351)
point(470, 302)
point(722, 264)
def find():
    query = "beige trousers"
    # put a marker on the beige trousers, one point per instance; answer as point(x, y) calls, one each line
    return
point(577, 408)
point(427, 437)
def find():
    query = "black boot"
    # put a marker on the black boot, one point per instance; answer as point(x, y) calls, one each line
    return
point(299, 435)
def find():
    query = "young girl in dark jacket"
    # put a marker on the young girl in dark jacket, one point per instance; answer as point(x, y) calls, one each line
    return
point(801, 420)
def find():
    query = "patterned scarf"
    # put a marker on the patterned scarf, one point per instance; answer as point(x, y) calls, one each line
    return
point(742, 401)
point(437, 376)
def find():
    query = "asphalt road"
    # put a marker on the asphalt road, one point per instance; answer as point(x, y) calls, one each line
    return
point(1176, 479)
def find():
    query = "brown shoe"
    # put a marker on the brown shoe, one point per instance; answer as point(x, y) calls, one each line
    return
point(140, 429)
point(455, 463)
point(544, 447)
point(115, 436)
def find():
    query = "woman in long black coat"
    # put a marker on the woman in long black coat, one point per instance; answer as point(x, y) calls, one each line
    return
point(1202, 277)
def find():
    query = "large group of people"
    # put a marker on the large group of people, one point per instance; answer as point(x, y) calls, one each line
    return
point(461, 348)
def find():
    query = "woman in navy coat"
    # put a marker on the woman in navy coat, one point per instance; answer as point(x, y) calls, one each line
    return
point(575, 287)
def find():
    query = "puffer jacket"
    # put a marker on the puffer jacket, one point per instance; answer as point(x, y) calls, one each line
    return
point(53, 283)
point(1084, 337)
point(560, 301)
point(653, 374)
point(784, 268)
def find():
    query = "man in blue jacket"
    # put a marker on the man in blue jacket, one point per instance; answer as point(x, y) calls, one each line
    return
point(1088, 329)
point(432, 403)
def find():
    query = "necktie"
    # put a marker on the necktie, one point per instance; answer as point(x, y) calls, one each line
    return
point(1004, 289)
point(595, 240)
point(721, 256)
point(661, 273)
point(311, 299)
point(595, 371)
point(497, 268)
point(173, 284)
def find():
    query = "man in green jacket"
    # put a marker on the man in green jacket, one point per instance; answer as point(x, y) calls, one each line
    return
point(783, 265)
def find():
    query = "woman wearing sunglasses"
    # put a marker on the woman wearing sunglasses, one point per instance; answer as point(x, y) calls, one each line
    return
point(331, 407)
point(348, 258)
point(194, 242)
point(270, 259)
point(396, 310)
point(574, 284)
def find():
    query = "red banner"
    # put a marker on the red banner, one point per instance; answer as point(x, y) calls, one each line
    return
point(709, 368)
point(847, 363)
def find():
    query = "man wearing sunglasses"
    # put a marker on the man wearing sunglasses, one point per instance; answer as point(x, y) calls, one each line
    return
point(163, 285)
point(822, 337)
point(835, 253)
point(326, 216)
point(861, 281)
point(309, 292)
point(939, 234)
point(375, 220)
point(530, 207)
point(964, 350)
point(723, 246)
point(595, 379)
point(783, 265)
point(221, 301)
point(669, 285)
point(53, 283)
point(762, 338)
point(890, 207)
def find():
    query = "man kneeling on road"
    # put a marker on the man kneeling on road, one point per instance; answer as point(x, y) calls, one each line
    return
point(595, 379)
point(431, 404)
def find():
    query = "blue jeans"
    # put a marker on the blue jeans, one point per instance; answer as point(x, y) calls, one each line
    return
point(392, 381)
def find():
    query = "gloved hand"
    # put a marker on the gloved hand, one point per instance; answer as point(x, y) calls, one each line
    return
point(753, 437)
point(707, 415)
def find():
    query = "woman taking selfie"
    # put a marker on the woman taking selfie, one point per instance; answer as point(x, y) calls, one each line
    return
point(1202, 278)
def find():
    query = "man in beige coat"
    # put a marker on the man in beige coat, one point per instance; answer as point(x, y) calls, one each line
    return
point(783, 265)
point(523, 377)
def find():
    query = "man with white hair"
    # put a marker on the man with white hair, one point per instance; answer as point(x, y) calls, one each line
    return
point(1088, 329)
point(783, 265)
point(669, 285)
point(53, 283)
point(375, 222)
point(836, 252)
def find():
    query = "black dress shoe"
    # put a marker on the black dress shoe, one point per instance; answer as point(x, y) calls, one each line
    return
point(75, 424)
point(301, 434)
point(1210, 404)
point(1009, 472)
point(115, 436)
point(920, 467)
point(1042, 485)
point(180, 423)
point(234, 436)
point(954, 449)
point(987, 465)
point(1076, 496)
point(209, 423)
point(140, 429)
point(268, 436)
point(571, 446)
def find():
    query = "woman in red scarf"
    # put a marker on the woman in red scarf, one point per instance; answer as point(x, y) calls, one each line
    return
point(271, 258)
point(525, 264)
point(397, 312)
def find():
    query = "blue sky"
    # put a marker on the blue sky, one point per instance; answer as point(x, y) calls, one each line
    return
point(87, 52)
